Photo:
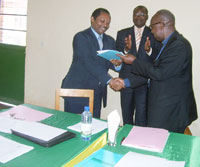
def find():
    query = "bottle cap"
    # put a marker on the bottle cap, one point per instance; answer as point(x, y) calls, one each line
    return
point(86, 108)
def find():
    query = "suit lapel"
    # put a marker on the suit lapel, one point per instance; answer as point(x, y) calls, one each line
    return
point(93, 39)
point(171, 40)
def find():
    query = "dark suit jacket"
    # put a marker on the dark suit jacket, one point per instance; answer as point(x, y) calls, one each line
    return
point(89, 71)
point(171, 98)
point(141, 54)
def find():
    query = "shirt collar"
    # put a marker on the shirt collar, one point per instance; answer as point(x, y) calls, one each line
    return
point(96, 34)
point(142, 28)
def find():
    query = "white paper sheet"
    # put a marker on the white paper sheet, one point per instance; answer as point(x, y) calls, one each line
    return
point(10, 149)
point(97, 126)
point(142, 160)
point(7, 123)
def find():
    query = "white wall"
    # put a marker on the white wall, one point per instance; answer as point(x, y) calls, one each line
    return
point(52, 25)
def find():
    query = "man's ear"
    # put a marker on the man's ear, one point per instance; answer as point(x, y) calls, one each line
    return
point(92, 19)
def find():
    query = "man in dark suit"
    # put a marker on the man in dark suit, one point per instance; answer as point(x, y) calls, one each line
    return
point(89, 71)
point(171, 102)
point(132, 40)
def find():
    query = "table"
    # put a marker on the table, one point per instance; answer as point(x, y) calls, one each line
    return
point(54, 156)
point(179, 147)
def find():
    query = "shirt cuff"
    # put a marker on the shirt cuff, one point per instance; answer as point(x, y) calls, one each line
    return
point(127, 82)
point(118, 68)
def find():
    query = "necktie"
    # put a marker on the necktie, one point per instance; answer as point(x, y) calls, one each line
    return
point(138, 38)
point(100, 40)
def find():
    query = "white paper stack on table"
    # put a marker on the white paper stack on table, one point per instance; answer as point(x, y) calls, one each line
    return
point(146, 138)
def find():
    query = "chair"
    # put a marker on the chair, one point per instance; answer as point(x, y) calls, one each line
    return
point(187, 131)
point(74, 93)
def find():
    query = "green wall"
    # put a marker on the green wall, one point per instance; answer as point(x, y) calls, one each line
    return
point(12, 67)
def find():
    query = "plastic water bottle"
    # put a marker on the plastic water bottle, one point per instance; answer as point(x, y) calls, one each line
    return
point(86, 124)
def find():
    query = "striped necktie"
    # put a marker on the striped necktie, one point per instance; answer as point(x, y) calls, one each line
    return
point(100, 41)
point(138, 38)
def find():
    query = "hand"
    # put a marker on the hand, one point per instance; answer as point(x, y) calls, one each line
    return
point(116, 62)
point(147, 45)
point(117, 84)
point(128, 58)
point(128, 43)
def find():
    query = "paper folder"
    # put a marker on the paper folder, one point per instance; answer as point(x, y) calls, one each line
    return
point(109, 54)
point(42, 134)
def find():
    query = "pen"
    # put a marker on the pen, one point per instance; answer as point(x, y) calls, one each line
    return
point(122, 140)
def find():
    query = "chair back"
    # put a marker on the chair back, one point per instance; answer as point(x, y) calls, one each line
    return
point(187, 131)
point(74, 93)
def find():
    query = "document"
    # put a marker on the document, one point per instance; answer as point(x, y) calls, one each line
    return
point(6, 124)
point(25, 113)
point(146, 138)
point(42, 134)
point(109, 54)
point(10, 149)
point(141, 160)
point(101, 158)
point(97, 126)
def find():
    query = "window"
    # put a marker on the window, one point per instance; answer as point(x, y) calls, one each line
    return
point(13, 14)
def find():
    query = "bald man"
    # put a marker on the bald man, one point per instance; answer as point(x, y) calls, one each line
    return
point(171, 102)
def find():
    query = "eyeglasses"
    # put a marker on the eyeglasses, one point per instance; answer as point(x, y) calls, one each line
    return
point(151, 25)
point(140, 14)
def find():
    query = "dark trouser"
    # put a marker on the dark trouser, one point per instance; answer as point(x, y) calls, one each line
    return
point(76, 105)
point(131, 100)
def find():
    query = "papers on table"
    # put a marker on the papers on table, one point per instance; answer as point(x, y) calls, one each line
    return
point(10, 149)
point(109, 54)
point(101, 158)
point(142, 160)
point(25, 113)
point(97, 126)
point(152, 139)
point(42, 134)
point(6, 124)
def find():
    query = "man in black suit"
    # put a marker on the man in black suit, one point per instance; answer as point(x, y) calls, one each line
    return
point(89, 71)
point(171, 102)
point(132, 40)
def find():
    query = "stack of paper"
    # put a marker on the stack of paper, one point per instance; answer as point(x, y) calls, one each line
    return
point(142, 160)
point(42, 134)
point(152, 139)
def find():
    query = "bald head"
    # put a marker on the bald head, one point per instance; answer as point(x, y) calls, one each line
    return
point(162, 24)
point(166, 17)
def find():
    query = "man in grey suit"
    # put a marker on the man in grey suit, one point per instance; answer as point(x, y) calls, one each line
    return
point(171, 99)
point(89, 71)
point(132, 40)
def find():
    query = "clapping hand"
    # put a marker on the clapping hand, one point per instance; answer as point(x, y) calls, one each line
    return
point(147, 45)
point(128, 43)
